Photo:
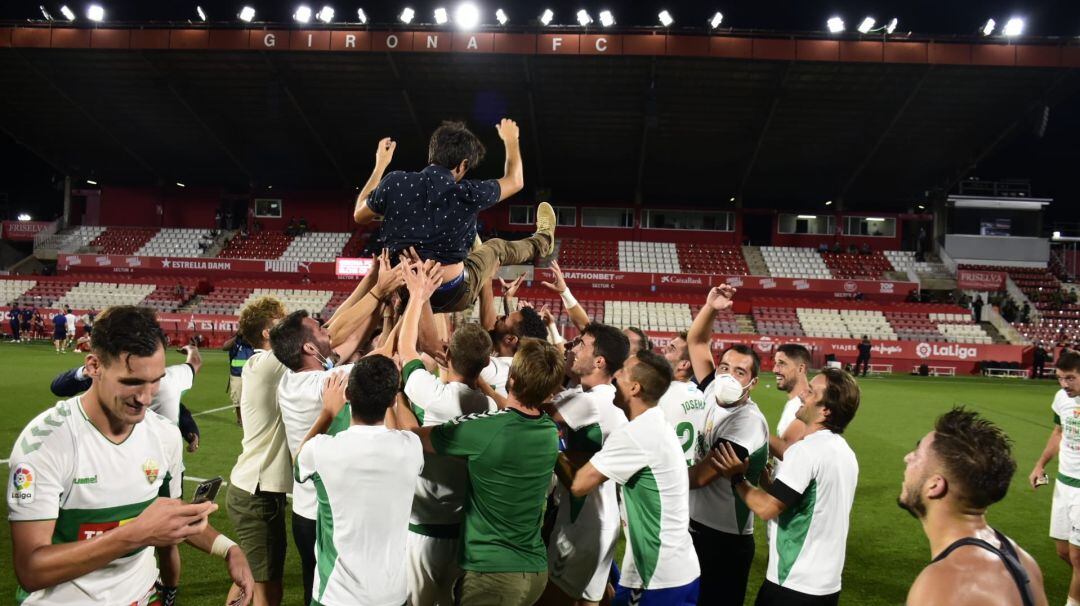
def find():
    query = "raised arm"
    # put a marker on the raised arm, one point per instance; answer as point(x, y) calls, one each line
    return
point(486, 301)
point(358, 293)
point(362, 213)
point(574, 310)
point(514, 178)
point(352, 320)
point(699, 337)
point(421, 280)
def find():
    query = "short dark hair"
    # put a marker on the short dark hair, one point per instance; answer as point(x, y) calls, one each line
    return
point(536, 371)
point(646, 343)
point(841, 399)
point(976, 454)
point(746, 350)
point(609, 343)
point(451, 143)
point(1068, 361)
point(470, 350)
point(531, 325)
point(373, 384)
point(126, 329)
point(653, 373)
point(797, 353)
point(287, 339)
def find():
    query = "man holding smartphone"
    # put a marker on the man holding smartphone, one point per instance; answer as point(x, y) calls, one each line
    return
point(102, 466)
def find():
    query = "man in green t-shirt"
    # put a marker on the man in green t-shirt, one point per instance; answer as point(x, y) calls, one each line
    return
point(510, 455)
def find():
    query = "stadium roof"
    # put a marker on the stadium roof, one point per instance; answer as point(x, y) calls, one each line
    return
point(682, 119)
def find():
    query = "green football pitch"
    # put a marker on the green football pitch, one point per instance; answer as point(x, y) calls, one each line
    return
point(886, 547)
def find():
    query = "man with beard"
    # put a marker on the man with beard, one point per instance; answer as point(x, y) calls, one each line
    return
point(1065, 443)
point(789, 365)
point(638, 339)
point(816, 483)
point(955, 473)
point(505, 335)
point(582, 543)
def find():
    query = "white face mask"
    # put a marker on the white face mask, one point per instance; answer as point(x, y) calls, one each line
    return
point(327, 363)
point(728, 390)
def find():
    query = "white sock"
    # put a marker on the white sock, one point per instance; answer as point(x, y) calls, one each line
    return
point(1072, 602)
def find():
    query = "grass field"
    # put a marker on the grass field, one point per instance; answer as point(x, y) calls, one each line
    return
point(886, 547)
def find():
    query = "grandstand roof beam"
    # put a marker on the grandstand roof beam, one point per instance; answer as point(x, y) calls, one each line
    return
point(1046, 98)
point(170, 84)
point(283, 76)
point(869, 156)
point(407, 100)
point(88, 116)
point(534, 124)
point(777, 97)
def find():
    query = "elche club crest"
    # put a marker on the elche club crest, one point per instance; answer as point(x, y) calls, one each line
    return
point(151, 470)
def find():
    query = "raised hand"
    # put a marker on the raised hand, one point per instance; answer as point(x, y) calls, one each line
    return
point(720, 297)
point(724, 460)
point(546, 315)
point(508, 130)
point(170, 521)
point(385, 152)
point(510, 290)
point(422, 279)
point(559, 286)
point(389, 277)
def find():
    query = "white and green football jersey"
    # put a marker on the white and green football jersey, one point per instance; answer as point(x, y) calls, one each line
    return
point(808, 540)
point(717, 505)
point(645, 458)
point(178, 379)
point(64, 469)
point(684, 406)
point(497, 373)
point(364, 478)
point(441, 491)
point(1067, 414)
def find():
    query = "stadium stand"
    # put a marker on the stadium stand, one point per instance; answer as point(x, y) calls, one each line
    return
point(174, 242)
point(259, 245)
point(122, 240)
point(649, 257)
point(576, 253)
point(846, 266)
point(777, 321)
point(712, 259)
point(12, 290)
point(667, 317)
point(314, 301)
point(792, 262)
point(73, 240)
point(316, 246)
point(45, 294)
point(99, 295)
point(223, 300)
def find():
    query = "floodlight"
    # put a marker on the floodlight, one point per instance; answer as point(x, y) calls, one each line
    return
point(547, 16)
point(500, 16)
point(891, 27)
point(988, 28)
point(606, 18)
point(583, 18)
point(95, 12)
point(407, 15)
point(66, 12)
point(467, 15)
point(665, 18)
point(1013, 27)
point(835, 25)
point(440, 16)
point(45, 13)
point(326, 15)
point(361, 16)
point(199, 10)
point(716, 20)
point(866, 25)
point(27, 217)
point(303, 13)
point(247, 14)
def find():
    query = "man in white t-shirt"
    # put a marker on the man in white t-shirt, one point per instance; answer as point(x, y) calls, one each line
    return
point(304, 348)
point(683, 403)
point(71, 320)
point(720, 524)
point(365, 477)
point(96, 480)
point(809, 501)
point(434, 537)
point(1064, 443)
point(790, 365)
point(506, 331)
point(644, 458)
point(581, 546)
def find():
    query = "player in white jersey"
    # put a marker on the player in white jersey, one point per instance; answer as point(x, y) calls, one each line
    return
point(304, 348)
point(683, 403)
point(720, 524)
point(1064, 443)
point(179, 378)
point(582, 542)
point(365, 477)
point(810, 499)
point(644, 458)
point(437, 511)
point(95, 467)
point(790, 365)
point(506, 331)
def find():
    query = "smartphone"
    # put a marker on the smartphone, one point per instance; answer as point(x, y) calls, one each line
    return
point(206, 491)
point(1042, 480)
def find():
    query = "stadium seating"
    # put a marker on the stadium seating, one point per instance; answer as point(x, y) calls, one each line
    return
point(777, 321)
point(649, 257)
point(712, 259)
point(74, 240)
point(965, 333)
point(576, 253)
point(12, 290)
point(259, 245)
point(166, 298)
point(314, 301)
point(46, 293)
point(651, 315)
point(845, 323)
point(223, 300)
point(1051, 332)
point(123, 240)
point(99, 295)
point(847, 266)
point(174, 242)
point(316, 246)
point(791, 262)
point(913, 326)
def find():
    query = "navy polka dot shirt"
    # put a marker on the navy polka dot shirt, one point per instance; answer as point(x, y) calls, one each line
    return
point(431, 212)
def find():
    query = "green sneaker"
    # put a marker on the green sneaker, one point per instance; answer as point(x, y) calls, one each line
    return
point(545, 225)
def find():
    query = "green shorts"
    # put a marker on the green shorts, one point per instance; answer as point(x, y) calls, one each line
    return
point(259, 524)
point(501, 588)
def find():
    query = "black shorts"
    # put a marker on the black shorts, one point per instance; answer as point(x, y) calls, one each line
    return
point(59, 335)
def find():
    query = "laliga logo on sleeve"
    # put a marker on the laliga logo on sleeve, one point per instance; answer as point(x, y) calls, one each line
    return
point(22, 480)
